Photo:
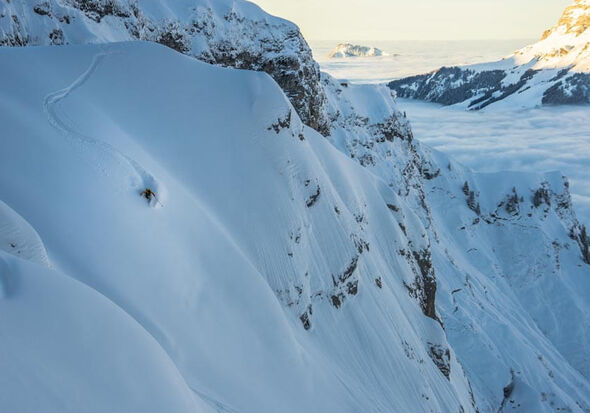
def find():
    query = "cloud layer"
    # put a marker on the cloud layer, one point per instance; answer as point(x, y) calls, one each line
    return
point(536, 140)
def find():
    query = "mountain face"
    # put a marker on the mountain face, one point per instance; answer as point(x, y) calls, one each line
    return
point(223, 32)
point(268, 268)
point(574, 21)
point(553, 71)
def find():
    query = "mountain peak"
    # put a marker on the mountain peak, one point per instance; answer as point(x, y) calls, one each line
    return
point(565, 45)
point(574, 20)
point(352, 50)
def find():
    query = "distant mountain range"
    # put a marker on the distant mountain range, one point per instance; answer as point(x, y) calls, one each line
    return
point(351, 50)
point(555, 70)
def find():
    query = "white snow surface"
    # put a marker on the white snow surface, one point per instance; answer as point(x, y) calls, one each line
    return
point(18, 238)
point(202, 271)
point(195, 300)
point(67, 348)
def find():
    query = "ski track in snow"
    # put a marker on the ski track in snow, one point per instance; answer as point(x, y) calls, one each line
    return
point(214, 403)
point(50, 107)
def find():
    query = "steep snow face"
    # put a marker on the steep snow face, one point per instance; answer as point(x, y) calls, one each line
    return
point(554, 70)
point(498, 246)
point(274, 272)
point(509, 254)
point(254, 265)
point(67, 348)
point(351, 50)
point(225, 32)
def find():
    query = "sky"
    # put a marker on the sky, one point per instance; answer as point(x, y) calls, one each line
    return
point(418, 19)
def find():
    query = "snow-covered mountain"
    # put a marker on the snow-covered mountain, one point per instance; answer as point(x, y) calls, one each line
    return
point(225, 32)
point(567, 44)
point(351, 50)
point(267, 268)
point(555, 70)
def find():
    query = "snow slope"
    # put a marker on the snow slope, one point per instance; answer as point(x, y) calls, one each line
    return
point(65, 347)
point(502, 263)
point(555, 70)
point(272, 271)
point(207, 270)
point(225, 32)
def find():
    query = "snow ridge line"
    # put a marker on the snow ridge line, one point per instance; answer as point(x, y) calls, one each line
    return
point(50, 103)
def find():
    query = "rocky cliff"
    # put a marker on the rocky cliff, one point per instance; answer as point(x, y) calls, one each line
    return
point(227, 33)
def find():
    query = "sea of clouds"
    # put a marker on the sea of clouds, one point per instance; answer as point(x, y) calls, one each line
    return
point(534, 140)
